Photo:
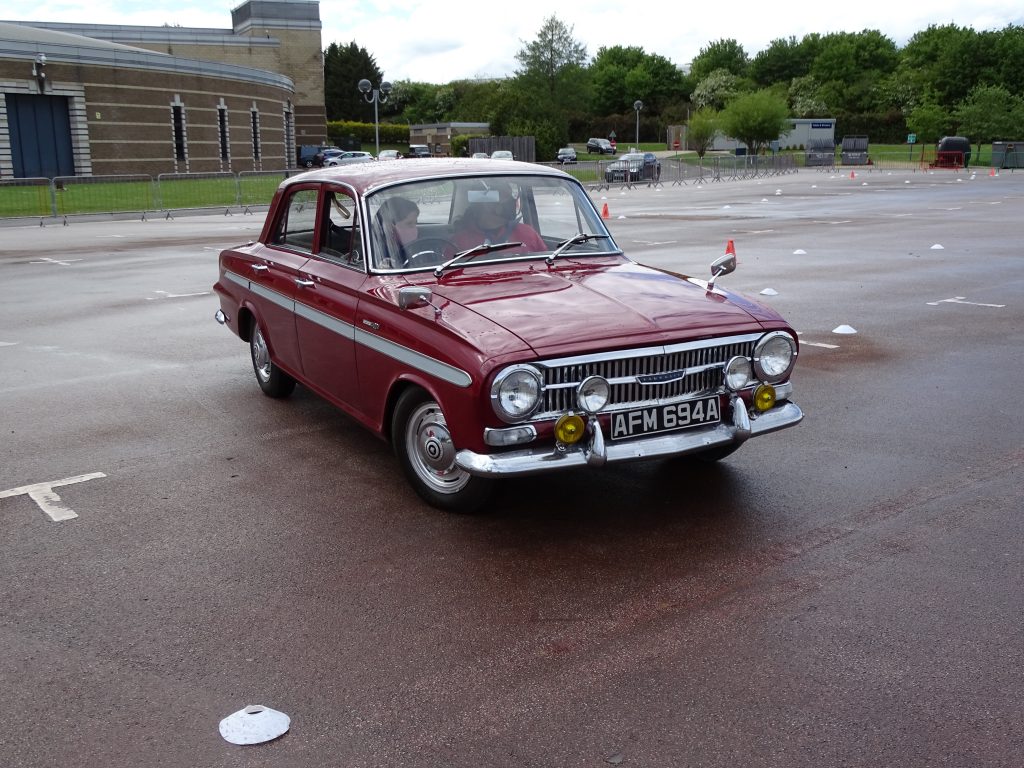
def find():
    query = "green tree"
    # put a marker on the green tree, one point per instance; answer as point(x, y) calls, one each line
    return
point(621, 75)
point(553, 54)
point(988, 114)
point(722, 54)
point(805, 99)
point(948, 60)
point(344, 67)
point(930, 122)
point(783, 60)
point(850, 65)
point(702, 130)
point(755, 119)
point(716, 89)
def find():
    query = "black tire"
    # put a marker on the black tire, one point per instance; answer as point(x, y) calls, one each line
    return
point(272, 380)
point(424, 448)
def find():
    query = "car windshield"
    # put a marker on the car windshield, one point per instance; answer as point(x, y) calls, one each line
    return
point(421, 225)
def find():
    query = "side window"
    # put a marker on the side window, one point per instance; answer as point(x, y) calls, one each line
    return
point(340, 239)
point(296, 227)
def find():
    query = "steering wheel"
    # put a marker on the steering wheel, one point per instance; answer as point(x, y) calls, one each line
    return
point(424, 247)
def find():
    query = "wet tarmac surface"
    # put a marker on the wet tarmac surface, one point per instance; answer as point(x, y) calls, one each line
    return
point(847, 592)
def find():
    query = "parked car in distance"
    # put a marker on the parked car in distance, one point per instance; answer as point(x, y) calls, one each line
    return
point(481, 360)
point(634, 166)
point(480, 156)
point(502, 154)
point(389, 154)
point(308, 154)
point(601, 146)
point(566, 155)
point(343, 157)
point(419, 150)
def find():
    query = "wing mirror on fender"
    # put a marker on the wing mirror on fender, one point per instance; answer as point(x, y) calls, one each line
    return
point(412, 296)
point(723, 265)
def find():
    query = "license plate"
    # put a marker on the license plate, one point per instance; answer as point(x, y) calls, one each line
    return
point(665, 418)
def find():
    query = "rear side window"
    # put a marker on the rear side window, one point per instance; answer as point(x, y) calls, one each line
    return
point(297, 225)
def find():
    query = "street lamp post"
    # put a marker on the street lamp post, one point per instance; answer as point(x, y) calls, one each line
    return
point(638, 105)
point(375, 96)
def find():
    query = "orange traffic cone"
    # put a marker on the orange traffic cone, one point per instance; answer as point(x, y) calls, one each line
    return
point(604, 211)
point(730, 248)
point(991, 171)
point(853, 175)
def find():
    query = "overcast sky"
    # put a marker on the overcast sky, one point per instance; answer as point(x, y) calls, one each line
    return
point(444, 41)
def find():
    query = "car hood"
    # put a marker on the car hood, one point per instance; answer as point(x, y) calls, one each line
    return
point(576, 307)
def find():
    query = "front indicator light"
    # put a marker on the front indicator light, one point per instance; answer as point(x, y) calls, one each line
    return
point(738, 373)
point(764, 397)
point(593, 394)
point(570, 428)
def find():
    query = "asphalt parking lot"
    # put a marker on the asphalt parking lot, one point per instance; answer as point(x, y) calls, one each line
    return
point(847, 592)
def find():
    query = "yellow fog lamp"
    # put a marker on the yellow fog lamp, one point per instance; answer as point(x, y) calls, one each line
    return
point(764, 397)
point(570, 428)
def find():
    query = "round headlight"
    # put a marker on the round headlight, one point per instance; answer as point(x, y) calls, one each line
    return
point(774, 355)
point(593, 394)
point(516, 393)
point(738, 373)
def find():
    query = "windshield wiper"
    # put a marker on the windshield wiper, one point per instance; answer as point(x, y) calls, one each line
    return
point(476, 250)
point(576, 239)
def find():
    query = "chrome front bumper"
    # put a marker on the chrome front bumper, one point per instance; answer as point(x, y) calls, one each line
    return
point(597, 451)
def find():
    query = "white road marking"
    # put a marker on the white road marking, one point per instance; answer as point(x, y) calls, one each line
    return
point(818, 344)
point(960, 300)
point(167, 295)
point(48, 501)
point(63, 263)
point(7, 343)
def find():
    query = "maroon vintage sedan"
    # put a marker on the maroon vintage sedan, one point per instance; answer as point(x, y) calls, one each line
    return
point(482, 318)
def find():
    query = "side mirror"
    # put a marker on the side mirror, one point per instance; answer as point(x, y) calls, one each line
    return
point(412, 296)
point(723, 265)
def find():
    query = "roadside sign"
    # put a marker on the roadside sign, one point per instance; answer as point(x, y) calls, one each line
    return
point(911, 138)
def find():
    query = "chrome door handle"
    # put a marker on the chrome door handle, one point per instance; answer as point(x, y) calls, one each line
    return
point(260, 267)
point(304, 283)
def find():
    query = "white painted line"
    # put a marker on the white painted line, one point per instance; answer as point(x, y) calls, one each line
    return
point(818, 344)
point(48, 501)
point(63, 263)
point(960, 300)
point(167, 295)
point(7, 343)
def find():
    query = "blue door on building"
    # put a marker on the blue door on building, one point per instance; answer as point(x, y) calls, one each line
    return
point(40, 136)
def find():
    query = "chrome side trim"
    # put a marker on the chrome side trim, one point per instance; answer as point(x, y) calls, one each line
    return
point(536, 460)
point(333, 324)
point(413, 359)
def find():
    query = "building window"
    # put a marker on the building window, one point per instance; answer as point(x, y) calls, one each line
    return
point(222, 132)
point(289, 137)
point(255, 118)
point(178, 129)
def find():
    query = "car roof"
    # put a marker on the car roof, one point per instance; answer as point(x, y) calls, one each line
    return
point(365, 177)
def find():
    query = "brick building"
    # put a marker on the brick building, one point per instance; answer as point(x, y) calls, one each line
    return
point(85, 99)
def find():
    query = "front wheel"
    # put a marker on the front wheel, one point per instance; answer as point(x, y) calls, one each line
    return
point(272, 380)
point(426, 452)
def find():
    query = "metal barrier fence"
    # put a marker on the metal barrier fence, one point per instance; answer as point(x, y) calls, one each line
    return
point(65, 196)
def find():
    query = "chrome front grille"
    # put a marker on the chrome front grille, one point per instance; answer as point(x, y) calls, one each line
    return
point(642, 377)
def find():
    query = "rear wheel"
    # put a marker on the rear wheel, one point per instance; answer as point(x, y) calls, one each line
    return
point(425, 450)
point(272, 380)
